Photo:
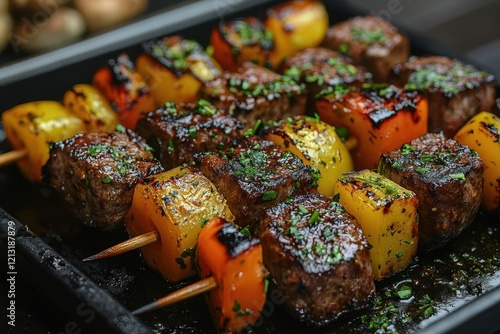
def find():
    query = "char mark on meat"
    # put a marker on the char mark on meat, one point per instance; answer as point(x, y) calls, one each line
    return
point(95, 174)
point(319, 257)
point(447, 178)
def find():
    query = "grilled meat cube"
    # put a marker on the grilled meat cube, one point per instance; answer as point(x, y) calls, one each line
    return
point(447, 178)
point(255, 176)
point(319, 68)
point(381, 118)
point(371, 42)
point(319, 257)
point(254, 92)
point(177, 132)
point(95, 174)
point(456, 91)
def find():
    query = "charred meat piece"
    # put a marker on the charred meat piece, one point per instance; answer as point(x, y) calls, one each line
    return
point(177, 132)
point(371, 42)
point(447, 178)
point(319, 68)
point(319, 257)
point(95, 173)
point(254, 92)
point(256, 175)
point(456, 91)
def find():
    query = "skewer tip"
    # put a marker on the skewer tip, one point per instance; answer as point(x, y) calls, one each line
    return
point(145, 308)
point(90, 258)
point(131, 244)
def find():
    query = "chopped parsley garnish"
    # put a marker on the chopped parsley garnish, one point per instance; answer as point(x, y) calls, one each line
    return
point(335, 256)
point(284, 85)
point(314, 218)
point(450, 80)
point(342, 67)
point(245, 231)
point(120, 128)
point(343, 133)
point(203, 107)
point(407, 149)
point(422, 170)
point(344, 48)
point(252, 33)
point(458, 176)
point(367, 36)
point(404, 292)
point(269, 195)
point(337, 91)
point(192, 131)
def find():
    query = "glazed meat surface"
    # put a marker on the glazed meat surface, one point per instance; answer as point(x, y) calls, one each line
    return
point(177, 132)
point(319, 68)
point(254, 92)
point(319, 257)
point(95, 174)
point(371, 42)
point(456, 91)
point(255, 176)
point(446, 177)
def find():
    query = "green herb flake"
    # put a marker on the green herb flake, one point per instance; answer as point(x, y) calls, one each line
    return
point(458, 176)
point(344, 48)
point(270, 195)
point(236, 306)
point(366, 36)
point(245, 231)
point(404, 292)
point(407, 149)
point(314, 218)
point(106, 179)
point(192, 131)
point(343, 133)
point(120, 128)
point(422, 170)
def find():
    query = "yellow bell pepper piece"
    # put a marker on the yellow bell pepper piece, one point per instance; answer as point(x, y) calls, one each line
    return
point(482, 134)
point(388, 216)
point(33, 126)
point(317, 144)
point(296, 25)
point(88, 104)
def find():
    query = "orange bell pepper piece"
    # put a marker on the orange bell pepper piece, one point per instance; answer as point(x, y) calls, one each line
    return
point(235, 262)
point(241, 40)
point(380, 117)
point(125, 89)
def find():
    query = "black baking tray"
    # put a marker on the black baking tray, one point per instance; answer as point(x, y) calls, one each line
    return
point(57, 292)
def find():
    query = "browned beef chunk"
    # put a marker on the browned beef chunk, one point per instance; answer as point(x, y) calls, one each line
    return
point(456, 91)
point(254, 93)
point(371, 42)
point(177, 132)
point(319, 68)
point(447, 178)
point(255, 176)
point(95, 173)
point(319, 257)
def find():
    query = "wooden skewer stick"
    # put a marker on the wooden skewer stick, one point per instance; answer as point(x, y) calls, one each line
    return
point(351, 143)
point(130, 244)
point(186, 292)
point(11, 157)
